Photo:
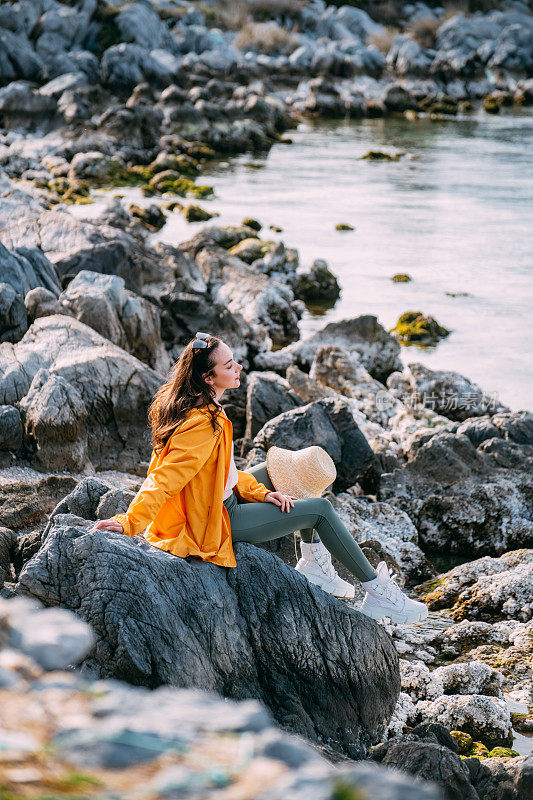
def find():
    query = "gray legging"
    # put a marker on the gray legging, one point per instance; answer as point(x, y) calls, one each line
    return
point(261, 522)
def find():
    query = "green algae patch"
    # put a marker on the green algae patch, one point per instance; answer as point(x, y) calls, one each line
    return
point(414, 327)
point(401, 277)
point(344, 226)
point(463, 741)
point(71, 191)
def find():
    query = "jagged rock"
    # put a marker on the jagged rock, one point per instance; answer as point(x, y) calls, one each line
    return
point(486, 589)
point(11, 428)
point(64, 359)
point(472, 677)
point(41, 302)
point(486, 719)
point(140, 628)
point(377, 350)
point(267, 396)
point(329, 423)
point(119, 315)
point(8, 541)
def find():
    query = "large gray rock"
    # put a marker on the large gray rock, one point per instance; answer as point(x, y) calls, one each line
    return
point(377, 350)
point(81, 391)
point(330, 424)
point(267, 396)
point(127, 320)
point(162, 619)
point(18, 59)
point(140, 23)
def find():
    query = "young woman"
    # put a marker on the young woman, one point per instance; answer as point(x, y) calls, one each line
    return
point(194, 501)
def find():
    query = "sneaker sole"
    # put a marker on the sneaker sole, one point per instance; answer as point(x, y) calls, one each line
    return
point(402, 619)
point(322, 586)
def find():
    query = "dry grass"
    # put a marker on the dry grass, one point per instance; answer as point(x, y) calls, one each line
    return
point(383, 40)
point(266, 37)
point(424, 31)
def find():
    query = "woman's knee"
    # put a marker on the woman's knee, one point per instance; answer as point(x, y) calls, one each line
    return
point(322, 505)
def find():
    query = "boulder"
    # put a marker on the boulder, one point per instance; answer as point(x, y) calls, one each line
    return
point(330, 424)
point(106, 392)
point(141, 628)
point(119, 315)
point(472, 677)
point(486, 719)
point(377, 350)
point(267, 396)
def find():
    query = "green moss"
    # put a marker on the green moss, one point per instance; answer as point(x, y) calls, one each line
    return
point(479, 750)
point(413, 326)
point(344, 226)
point(491, 105)
point(401, 277)
point(463, 741)
point(503, 752)
point(171, 181)
point(378, 155)
point(250, 249)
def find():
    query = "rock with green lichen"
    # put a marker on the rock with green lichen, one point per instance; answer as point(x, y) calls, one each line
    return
point(463, 741)
point(413, 327)
point(250, 249)
point(252, 223)
point(171, 181)
point(193, 213)
point(401, 277)
point(503, 752)
point(152, 217)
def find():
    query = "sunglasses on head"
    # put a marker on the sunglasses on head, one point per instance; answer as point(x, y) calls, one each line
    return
point(199, 342)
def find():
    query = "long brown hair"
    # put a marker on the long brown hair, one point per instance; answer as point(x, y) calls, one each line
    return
point(185, 389)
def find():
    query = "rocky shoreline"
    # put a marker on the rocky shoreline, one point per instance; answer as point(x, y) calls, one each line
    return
point(93, 314)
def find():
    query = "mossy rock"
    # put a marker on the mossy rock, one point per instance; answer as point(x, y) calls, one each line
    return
point(401, 277)
point(463, 741)
point(171, 181)
point(443, 107)
point(198, 150)
point(275, 228)
point(252, 223)
point(193, 213)
point(503, 752)
point(71, 191)
point(465, 105)
point(379, 155)
point(343, 791)
point(344, 226)
point(491, 105)
point(250, 249)
point(151, 217)
point(522, 722)
point(479, 750)
point(413, 327)
point(180, 162)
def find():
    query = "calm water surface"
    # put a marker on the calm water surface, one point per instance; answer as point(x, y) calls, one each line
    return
point(455, 213)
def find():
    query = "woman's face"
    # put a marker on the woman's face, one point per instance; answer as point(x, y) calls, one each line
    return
point(226, 371)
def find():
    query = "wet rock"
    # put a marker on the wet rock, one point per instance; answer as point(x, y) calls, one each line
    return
point(267, 396)
point(414, 327)
point(64, 570)
point(377, 350)
point(319, 286)
point(329, 423)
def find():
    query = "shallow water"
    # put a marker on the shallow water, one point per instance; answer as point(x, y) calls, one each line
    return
point(454, 212)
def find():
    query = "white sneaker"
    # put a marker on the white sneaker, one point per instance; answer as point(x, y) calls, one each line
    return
point(316, 565)
point(384, 598)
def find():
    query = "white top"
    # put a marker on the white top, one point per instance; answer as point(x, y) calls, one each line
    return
point(232, 477)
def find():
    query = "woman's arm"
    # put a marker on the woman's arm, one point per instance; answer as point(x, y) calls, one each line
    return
point(249, 489)
point(189, 449)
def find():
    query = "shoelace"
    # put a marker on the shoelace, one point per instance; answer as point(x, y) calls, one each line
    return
point(390, 590)
point(325, 565)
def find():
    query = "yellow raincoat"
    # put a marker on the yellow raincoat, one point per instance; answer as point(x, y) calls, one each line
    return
point(179, 505)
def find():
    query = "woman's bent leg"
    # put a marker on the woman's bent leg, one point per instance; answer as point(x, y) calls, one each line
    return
point(261, 522)
point(261, 475)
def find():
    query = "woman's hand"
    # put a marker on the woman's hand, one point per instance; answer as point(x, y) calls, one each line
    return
point(108, 525)
point(279, 499)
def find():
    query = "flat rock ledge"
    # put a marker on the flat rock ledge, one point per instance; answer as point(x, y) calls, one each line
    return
point(258, 630)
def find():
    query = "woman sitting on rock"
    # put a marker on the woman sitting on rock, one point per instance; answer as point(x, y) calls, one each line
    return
point(195, 502)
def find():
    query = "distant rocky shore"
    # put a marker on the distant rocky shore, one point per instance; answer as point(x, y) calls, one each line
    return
point(92, 315)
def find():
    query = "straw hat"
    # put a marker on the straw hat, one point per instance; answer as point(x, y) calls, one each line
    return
point(300, 473)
